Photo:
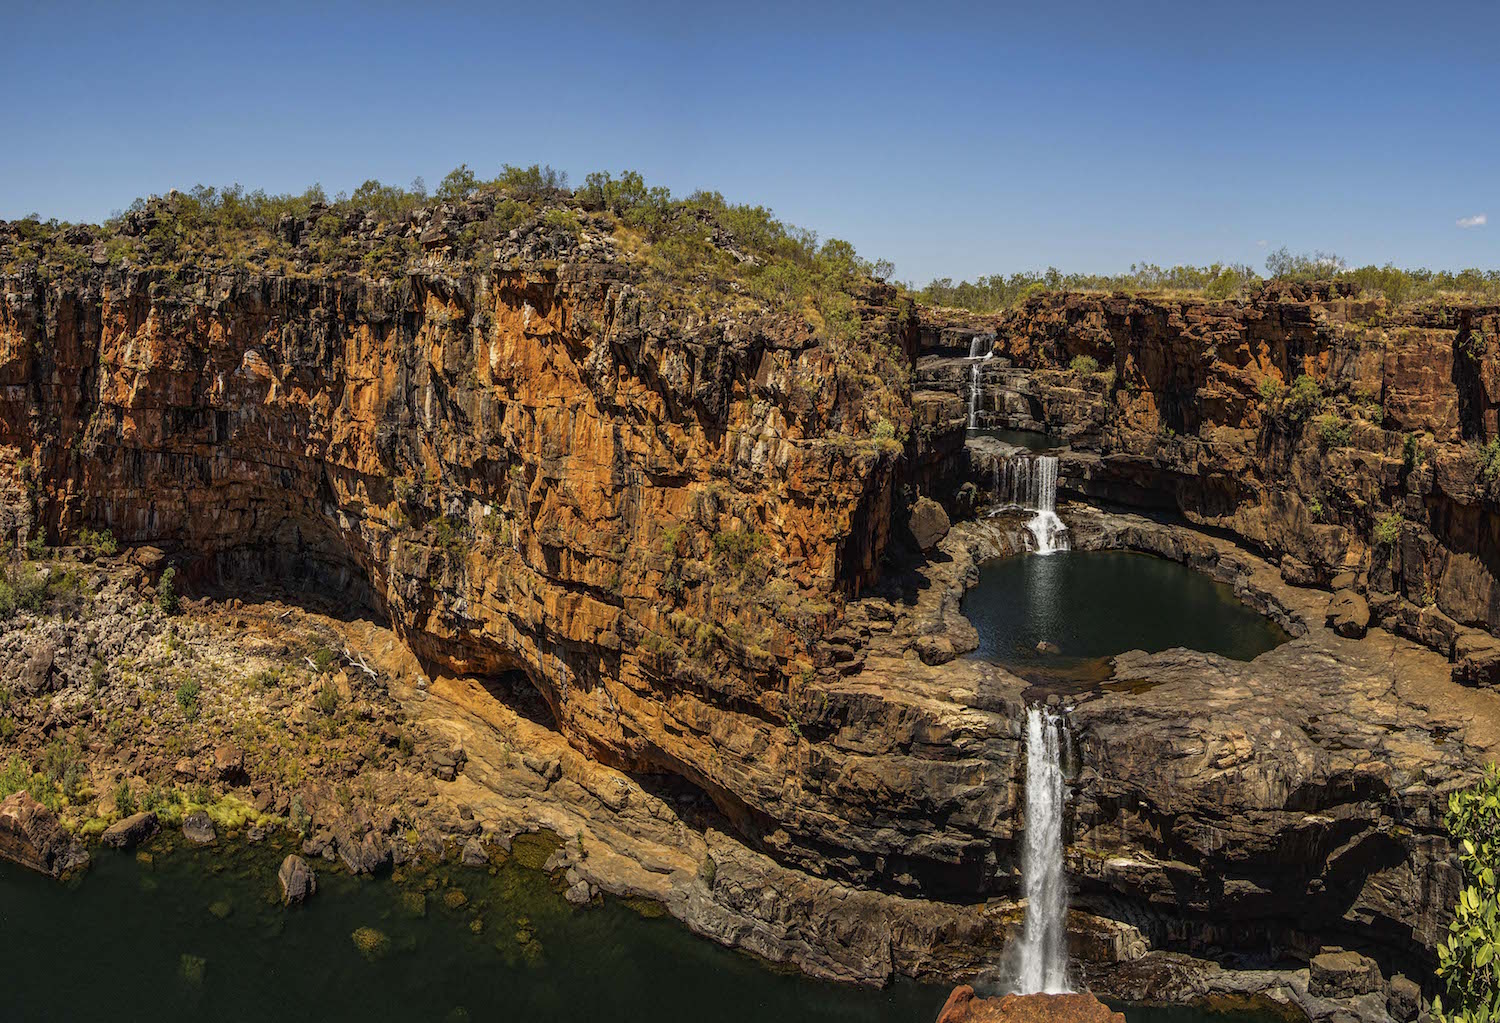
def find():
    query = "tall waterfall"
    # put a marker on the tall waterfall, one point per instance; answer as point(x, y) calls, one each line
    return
point(1043, 965)
point(1030, 483)
point(977, 357)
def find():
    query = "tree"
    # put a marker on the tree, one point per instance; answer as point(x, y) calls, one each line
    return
point(1469, 961)
point(458, 183)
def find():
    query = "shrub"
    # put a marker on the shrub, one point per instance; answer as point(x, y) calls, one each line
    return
point(187, 697)
point(1489, 460)
point(124, 799)
point(1084, 365)
point(1388, 529)
point(322, 659)
point(734, 549)
point(1334, 431)
point(1303, 398)
point(100, 543)
point(1412, 454)
point(1469, 961)
point(327, 700)
point(166, 593)
point(1315, 508)
point(1271, 390)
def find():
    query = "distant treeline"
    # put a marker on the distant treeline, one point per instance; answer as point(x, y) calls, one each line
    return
point(1222, 281)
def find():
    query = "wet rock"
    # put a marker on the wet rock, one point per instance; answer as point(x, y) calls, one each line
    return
point(1336, 973)
point(578, 893)
point(364, 855)
point(965, 1006)
point(32, 835)
point(130, 832)
point(297, 880)
point(198, 828)
point(1047, 647)
point(1348, 614)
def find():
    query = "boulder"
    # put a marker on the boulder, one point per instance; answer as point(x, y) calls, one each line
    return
point(364, 855)
point(1348, 614)
point(229, 764)
point(1476, 659)
point(31, 835)
point(1336, 973)
point(929, 523)
point(1296, 573)
point(1403, 999)
point(130, 832)
point(198, 828)
point(297, 880)
point(474, 854)
point(965, 1006)
point(36, 670)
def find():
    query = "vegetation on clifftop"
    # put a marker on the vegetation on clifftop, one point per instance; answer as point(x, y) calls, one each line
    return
point(1220, 281)
point(715, 254)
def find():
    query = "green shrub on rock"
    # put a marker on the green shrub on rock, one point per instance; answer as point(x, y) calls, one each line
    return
point(1303, 399)
point(1388, 529)
point(1084, 365)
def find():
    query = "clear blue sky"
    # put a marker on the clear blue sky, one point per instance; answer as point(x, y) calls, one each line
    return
point(954, 141)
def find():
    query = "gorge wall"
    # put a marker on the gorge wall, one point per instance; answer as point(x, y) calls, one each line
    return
point(690, 527)
point(1380, 470)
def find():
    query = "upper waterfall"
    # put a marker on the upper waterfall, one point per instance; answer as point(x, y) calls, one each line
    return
point(977, 356)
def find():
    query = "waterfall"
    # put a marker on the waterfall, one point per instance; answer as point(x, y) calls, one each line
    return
point(1030, 483)
point(977, 357)
point(1043, 965)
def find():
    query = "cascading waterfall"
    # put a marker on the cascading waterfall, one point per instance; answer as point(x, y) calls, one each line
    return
point(977, 357)
point(1030, 483)
point(1043, 959)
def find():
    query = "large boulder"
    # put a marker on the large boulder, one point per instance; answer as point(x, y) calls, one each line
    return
point(965, 1006)
point(929, 523)
point(130, 832)
point(1336, 973)
point(1403, 999)
point(31, 835)
point(297, 880)
point(1348, 614)
point(198, 828)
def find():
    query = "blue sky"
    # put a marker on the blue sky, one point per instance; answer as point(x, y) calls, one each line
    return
point(955, 140)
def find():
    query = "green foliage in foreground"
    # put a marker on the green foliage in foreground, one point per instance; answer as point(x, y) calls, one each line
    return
point(1469, 961)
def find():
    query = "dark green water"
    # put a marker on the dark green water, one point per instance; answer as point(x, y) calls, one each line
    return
point(199, 935)
point(1094, 604)
point(1022, 438)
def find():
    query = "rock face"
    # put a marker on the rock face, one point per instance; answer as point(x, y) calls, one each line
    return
point(32, 836)
point(1194, 414)
point(685, 531)
point(964, 1006)
point(538, 467)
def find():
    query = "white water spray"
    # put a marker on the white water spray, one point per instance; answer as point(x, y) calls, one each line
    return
point(977, 357)
point(1043, 961)
point(1030, 483)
